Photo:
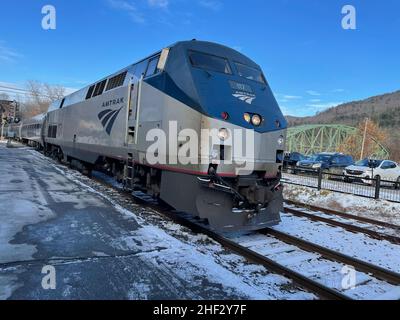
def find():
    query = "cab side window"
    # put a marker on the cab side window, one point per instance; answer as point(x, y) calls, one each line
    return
point(140, 70)
point(152, 67)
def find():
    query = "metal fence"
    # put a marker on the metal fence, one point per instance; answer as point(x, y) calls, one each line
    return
point(369, 188)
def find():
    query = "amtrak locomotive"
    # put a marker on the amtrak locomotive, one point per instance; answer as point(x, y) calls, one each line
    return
point(196, 85)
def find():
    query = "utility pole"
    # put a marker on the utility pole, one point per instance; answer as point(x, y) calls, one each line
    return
point(2, 110)
point(364, 139)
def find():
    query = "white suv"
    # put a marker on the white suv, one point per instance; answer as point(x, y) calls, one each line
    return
point(370, 169)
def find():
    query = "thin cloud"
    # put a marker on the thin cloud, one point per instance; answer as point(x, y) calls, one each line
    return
point(284, 98)
point(159, 3)
point(128, 7)
point(140, 11)
point(213, 5)
point(8, 55)
point(338, 90)
point(313, 93)
point(323, 106)
point(290, 97)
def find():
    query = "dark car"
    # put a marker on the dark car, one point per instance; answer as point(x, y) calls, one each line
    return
point(291, 159)
point(327, 162)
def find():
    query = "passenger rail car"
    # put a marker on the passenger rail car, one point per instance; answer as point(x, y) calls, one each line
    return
point(31, 131)
point(198, 85)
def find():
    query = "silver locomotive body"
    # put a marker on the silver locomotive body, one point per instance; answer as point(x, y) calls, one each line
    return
point(108, 125)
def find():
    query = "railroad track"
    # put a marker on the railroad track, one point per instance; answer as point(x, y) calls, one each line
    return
point(376, 271)
point(301, 280)
point(376, 229)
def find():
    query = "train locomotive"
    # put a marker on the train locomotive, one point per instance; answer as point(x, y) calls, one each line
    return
point(196, 85)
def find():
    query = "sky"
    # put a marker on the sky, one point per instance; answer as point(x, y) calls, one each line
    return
point(309, 60)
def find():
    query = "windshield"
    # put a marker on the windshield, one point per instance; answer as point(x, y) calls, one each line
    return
point(369, 163)
point(250, 73)
point(209, 62)
point(321, 158)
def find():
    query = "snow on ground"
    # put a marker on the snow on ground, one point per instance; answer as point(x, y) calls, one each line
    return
point(56, 213)
point(327, 274)
point(375, 209)
point(315, 267)
point(387, 231)
point(181, 247)
point(178, 260)
point(377, 252)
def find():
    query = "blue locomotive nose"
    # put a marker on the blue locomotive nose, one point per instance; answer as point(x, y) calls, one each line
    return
point(224, 84)
point(249, 104)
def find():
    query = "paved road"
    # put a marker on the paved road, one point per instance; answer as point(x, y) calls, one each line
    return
point(97, 251)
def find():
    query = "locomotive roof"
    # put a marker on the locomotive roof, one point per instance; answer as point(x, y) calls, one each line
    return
point(182, 46)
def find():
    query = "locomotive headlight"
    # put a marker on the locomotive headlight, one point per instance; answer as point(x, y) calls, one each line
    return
point(223, 134)
point(247, 117)
point(281, 140)
point(256, 120)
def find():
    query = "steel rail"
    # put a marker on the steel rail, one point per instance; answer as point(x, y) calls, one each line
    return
point(323, 292)
point(344, 215)
point(304, 282)
point(348, 227)
point(376, 271)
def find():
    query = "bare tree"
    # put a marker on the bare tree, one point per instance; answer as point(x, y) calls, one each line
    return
point(54, 92)
point(40, 96)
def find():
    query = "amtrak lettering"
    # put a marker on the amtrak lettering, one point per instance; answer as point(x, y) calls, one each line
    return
point(113, 102)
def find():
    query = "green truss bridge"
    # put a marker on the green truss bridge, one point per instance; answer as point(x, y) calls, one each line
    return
point(311, 139)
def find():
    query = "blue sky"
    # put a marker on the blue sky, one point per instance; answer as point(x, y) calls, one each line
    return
point(310, 61)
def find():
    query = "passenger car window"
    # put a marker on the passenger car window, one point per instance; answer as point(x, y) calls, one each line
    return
point(209, 62)
point(250, 73)
point(152, 68)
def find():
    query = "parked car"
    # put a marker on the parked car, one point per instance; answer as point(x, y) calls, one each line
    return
point(327, 162)
point(368, 169)
point(291, 159)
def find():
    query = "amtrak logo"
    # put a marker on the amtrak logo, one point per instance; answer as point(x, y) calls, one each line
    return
point(108, 117)
point(246, 97)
